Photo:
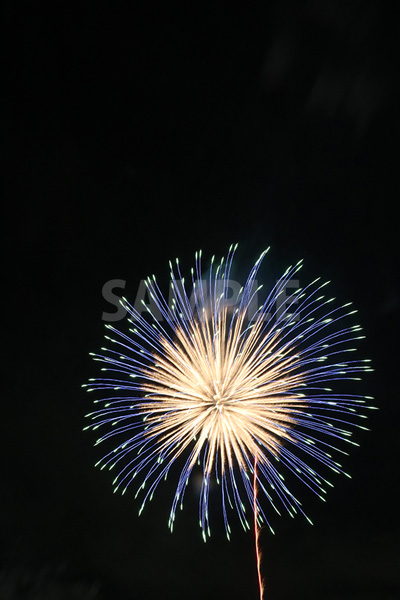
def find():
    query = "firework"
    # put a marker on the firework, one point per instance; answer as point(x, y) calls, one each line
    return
point(241, 392)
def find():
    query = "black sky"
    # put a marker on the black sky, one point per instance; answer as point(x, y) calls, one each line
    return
point(137, 135)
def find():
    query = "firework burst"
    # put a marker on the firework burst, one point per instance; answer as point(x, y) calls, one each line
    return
point(242, 391)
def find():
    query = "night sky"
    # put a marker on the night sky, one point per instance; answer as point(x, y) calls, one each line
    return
point(135, 136)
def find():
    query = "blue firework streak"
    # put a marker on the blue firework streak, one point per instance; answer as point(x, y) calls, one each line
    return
point(239, 390)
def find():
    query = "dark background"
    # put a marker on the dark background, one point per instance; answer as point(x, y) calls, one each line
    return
point(134, 136)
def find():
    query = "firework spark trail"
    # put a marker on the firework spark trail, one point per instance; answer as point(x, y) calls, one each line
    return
point(221, 386)
point(257, 532)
